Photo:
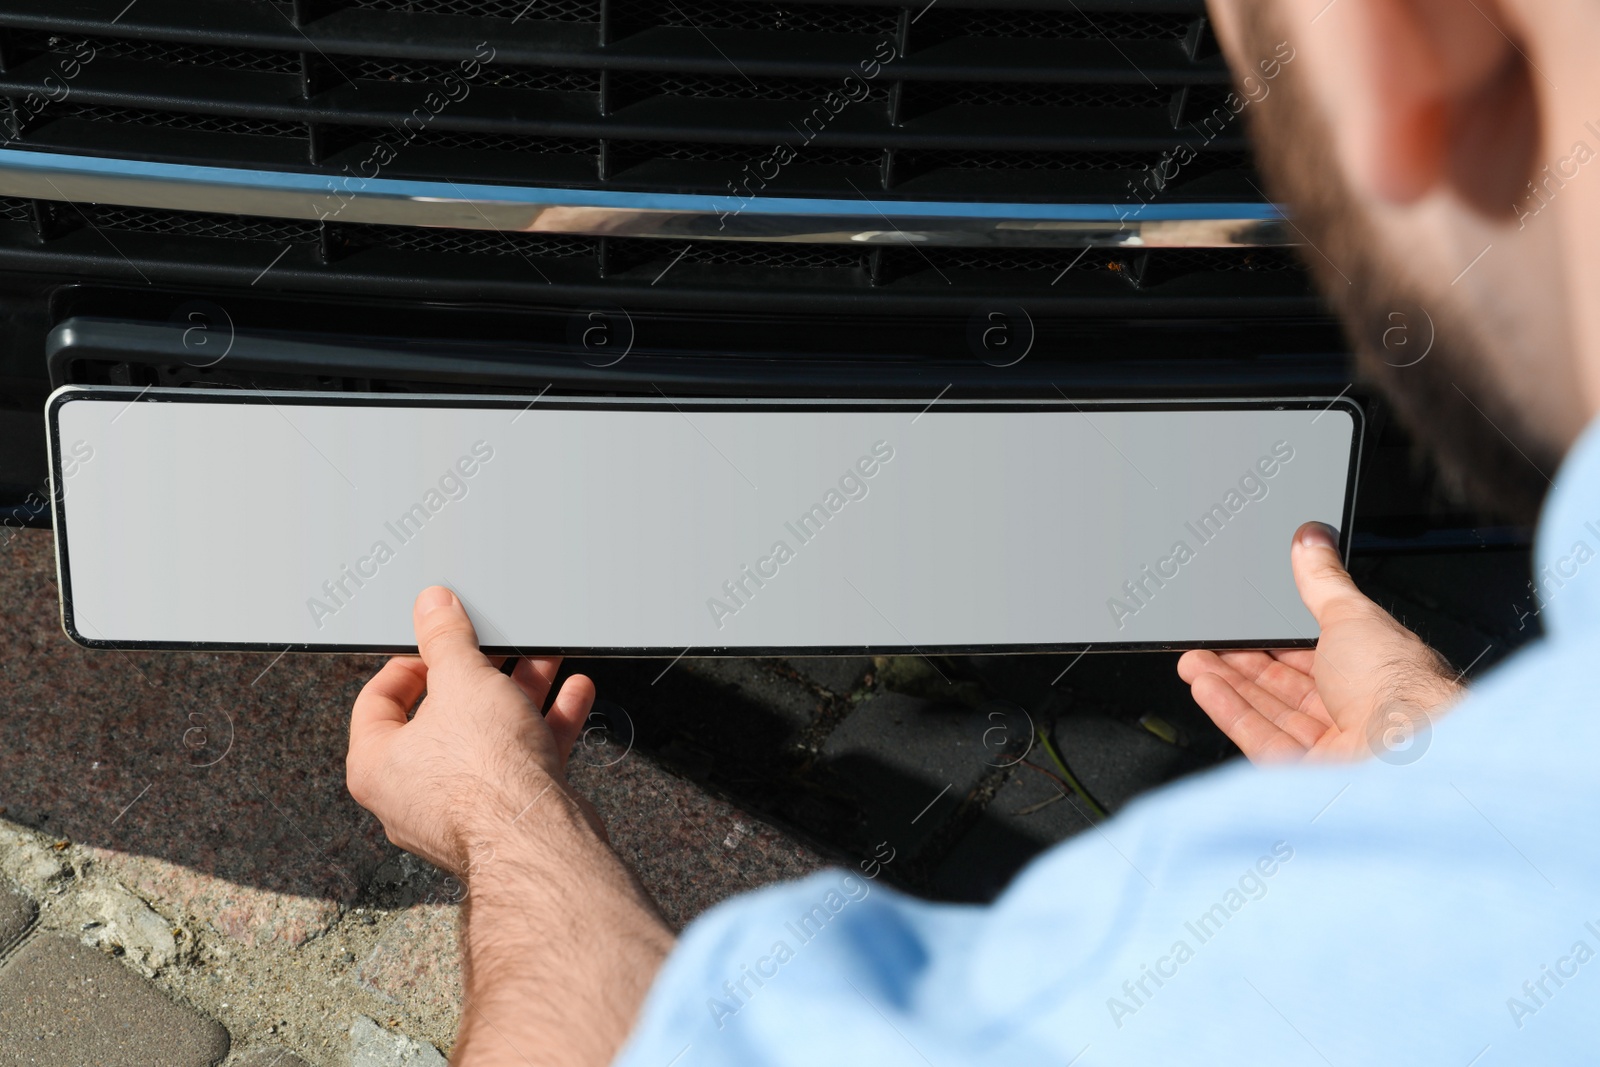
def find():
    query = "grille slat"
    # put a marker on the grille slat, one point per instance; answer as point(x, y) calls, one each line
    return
point(535, 10)
point(410, 72)
point(262, 60)
point(724, 105)
point(921, 96)
point(634, 252)
point(823, 165)
point(740, 265)
point(721, 15)
point(1071, 22)
point(632, 85)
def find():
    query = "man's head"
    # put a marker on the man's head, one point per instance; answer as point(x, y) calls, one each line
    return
point(1409, 140)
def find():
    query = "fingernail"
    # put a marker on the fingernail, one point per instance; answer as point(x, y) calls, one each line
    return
point(433, 598)
point(1319, 534)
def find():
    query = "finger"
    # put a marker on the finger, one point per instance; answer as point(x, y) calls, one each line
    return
point(1319, 574)
point(535, 675)
point(569, 712)
point(446, 639)
point(1281, 694)
point(387, 698)
point(1195, 662)
point(1279, 676)
point(1296, 688)
point(1257, 738)
point(1300, 659)
point(1297, 724)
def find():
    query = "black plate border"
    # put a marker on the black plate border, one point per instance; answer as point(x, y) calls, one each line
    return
point(133, 395)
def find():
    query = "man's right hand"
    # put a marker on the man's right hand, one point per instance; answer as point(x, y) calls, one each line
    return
point(560, 942)
point(1368, 682)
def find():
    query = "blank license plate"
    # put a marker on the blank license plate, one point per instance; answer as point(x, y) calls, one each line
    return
point(255, 521)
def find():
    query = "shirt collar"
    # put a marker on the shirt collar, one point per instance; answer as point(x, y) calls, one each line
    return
point(1565, 590)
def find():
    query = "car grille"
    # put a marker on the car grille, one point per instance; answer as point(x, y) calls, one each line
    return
point(13, 209)
point(548, 10)
point(1070, 101)
point(128, 243)
point(1049, 101)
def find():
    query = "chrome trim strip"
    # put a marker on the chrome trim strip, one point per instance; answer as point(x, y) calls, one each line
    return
point(352, 198)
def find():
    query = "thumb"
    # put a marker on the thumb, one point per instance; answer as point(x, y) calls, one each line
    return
point(445, 637)
point(1319, 573)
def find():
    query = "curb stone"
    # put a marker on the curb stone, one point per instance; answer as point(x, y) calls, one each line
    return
point(373, 1046)
point(113, 917)
point(17, 913)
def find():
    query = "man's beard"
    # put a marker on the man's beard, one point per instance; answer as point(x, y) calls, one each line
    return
point(1445, 399)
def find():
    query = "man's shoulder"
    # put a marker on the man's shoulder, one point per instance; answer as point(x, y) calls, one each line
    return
point(1396, 911)
point(1431, 880)
point(1526, 740)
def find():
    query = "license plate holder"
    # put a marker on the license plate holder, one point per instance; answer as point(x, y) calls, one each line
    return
point(247, 520)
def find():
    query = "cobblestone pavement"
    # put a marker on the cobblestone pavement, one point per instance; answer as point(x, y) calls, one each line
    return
point(184, 881)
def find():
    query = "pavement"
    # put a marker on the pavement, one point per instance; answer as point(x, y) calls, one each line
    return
point(184, 880)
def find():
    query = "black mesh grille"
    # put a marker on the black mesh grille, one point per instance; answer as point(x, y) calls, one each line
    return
point(1073, 23)
point(1207, 108)
point(1035, 94)
point(198, 224)
point(1154, 266)
point(634, 85)
point(532, 10)
point(788, 256)
point(466, 242)
point(1214, 260)
point(1002, 160)
point(1210, 163)
point(177, 120)
point(543, 79)
point(769, 18)
point(1045, 261)
point(631, 253)
point(16, 209)
point(804, 155)
point(469, 141)
point(89, 49)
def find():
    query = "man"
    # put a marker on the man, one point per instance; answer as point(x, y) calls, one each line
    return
point(1440, 903)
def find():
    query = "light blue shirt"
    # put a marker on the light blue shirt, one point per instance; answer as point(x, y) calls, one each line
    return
point(1440, 908)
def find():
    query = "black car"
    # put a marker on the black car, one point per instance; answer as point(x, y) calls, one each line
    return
point(696, 197)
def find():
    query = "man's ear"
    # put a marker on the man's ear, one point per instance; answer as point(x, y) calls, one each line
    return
point(1423, 94)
